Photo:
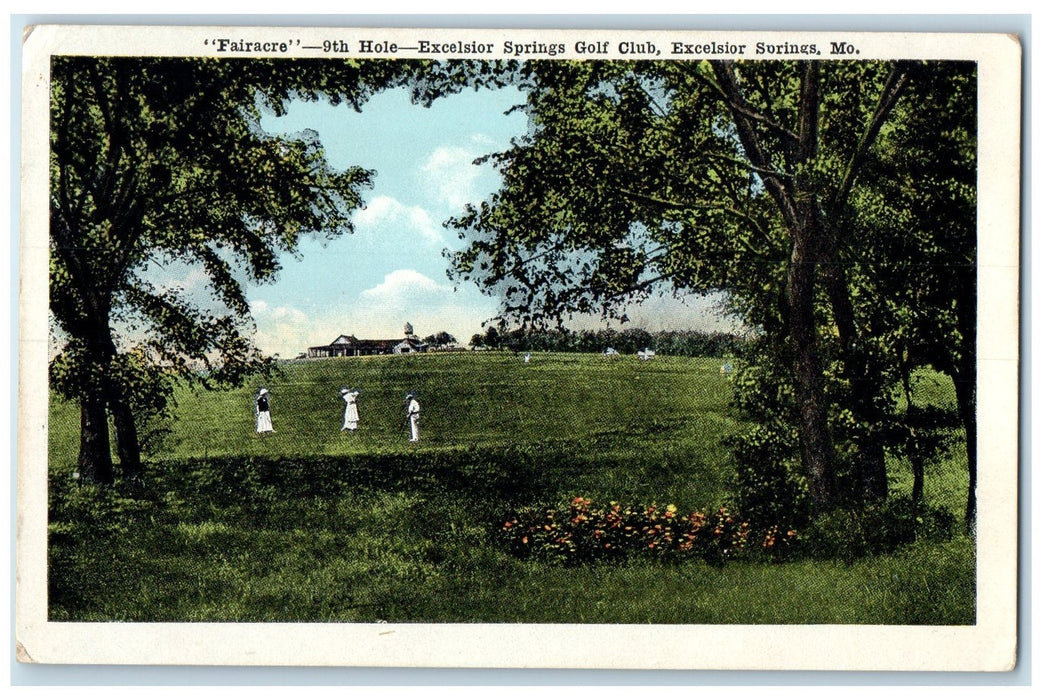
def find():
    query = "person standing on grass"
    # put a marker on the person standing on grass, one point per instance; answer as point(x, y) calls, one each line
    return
point(412, 412)
point(350, 397)
point(263, 411)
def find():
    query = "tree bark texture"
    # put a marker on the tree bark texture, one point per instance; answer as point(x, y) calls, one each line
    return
point(107, 393)
point(915, 455)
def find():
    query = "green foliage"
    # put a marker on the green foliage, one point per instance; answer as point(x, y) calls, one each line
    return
point(441, 338)
point(767, 487)
point(159, 163)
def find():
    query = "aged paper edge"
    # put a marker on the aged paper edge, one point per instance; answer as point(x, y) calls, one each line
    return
point(988, 645)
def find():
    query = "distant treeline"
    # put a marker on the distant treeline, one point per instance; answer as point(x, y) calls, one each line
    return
point(626, 342)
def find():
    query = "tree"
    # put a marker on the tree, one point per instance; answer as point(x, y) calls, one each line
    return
point(441, 339)
point(160, 163)
point(922, 305)
point(492, 338)
point(702, 176)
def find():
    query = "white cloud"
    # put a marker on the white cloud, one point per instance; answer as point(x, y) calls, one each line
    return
point(383, 211)
point(404, 287)
point(430, 306)
point(452, 176)
point(281, 330)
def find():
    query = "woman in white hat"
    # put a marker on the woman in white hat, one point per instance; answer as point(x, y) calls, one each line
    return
point(263, 410)
point(350, 397)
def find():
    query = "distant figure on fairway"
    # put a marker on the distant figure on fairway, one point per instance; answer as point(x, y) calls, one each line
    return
point(646, 354)
point(528, 357)
point(412, 412)
point(350, 397)
point(263, 411)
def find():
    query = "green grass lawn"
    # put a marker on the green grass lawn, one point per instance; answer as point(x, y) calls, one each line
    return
point(311, 524)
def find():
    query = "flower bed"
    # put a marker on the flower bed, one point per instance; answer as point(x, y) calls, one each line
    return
point(583, 533)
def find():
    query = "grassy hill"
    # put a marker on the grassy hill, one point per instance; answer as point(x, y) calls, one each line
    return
point(666, 415)
point(318, 525)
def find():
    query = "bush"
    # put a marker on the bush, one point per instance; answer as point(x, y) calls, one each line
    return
point(878, 528)
point(767, 488)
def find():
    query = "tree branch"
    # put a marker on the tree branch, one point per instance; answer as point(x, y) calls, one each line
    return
point(891, 93)
point(743, 107)
point(776, 186)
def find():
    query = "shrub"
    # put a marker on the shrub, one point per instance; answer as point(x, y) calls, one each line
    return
point(878, 528)
point(767, 488)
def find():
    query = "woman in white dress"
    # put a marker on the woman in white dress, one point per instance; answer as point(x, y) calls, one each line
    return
point(350, 397)
point(412, 412)
point(263, 411)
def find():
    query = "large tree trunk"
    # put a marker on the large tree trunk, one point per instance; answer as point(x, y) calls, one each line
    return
point(815, 442)
point(114, 399)
point(871, 461)
point(799, 207)
point(95, 459)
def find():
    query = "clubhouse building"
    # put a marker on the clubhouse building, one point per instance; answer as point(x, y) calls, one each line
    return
point(350, 346)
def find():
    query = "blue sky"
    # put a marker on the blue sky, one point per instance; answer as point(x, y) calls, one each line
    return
point(392, 270)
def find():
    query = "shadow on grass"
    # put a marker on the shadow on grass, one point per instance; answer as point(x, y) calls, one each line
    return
point(509, 476)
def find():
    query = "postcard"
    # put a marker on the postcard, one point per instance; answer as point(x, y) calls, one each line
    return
point(518, 348)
